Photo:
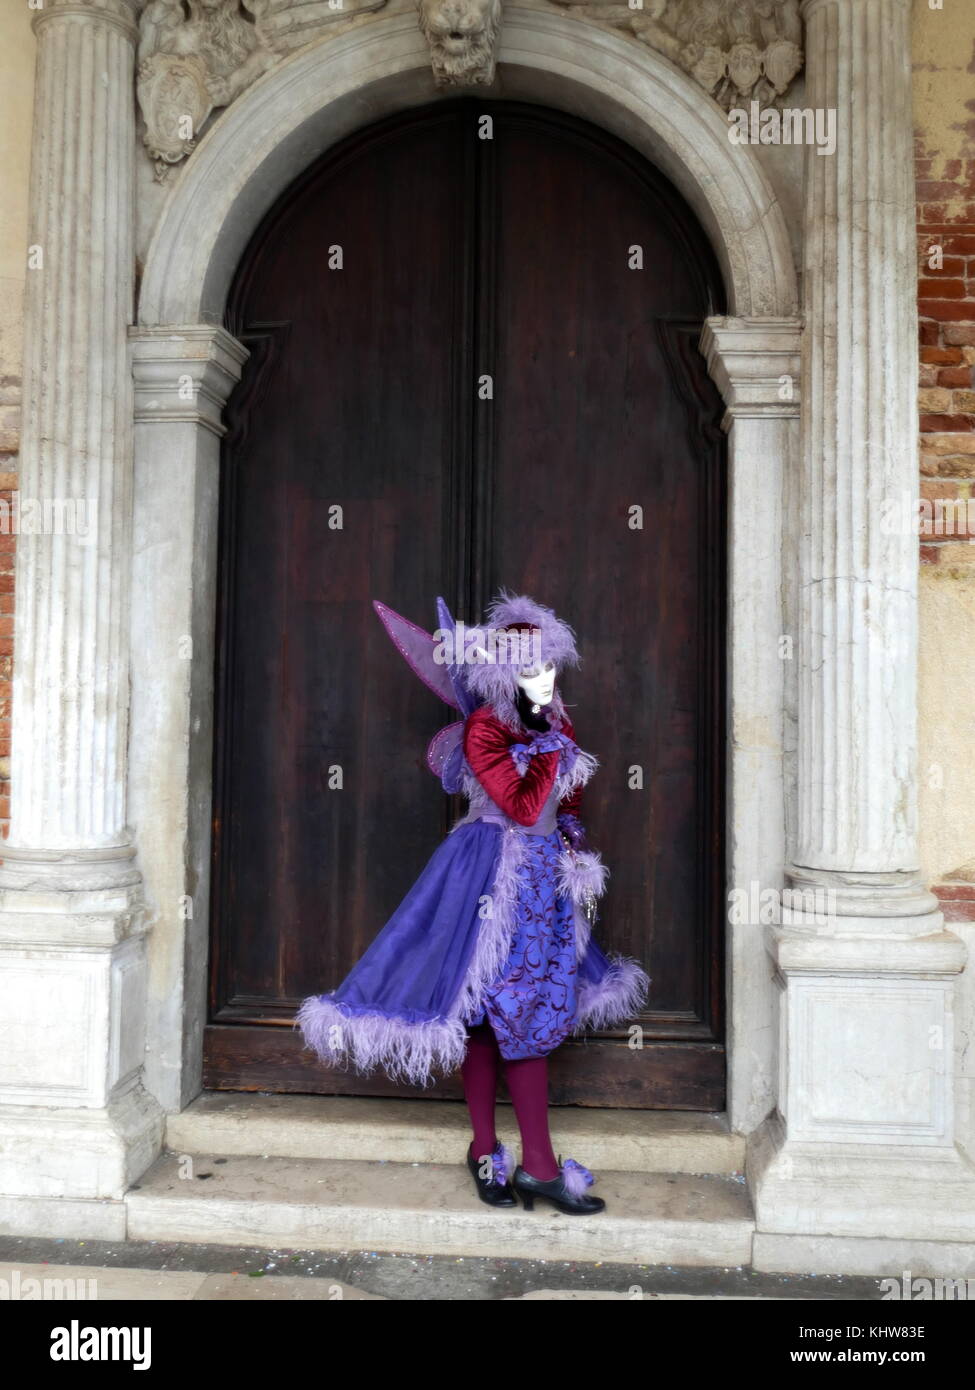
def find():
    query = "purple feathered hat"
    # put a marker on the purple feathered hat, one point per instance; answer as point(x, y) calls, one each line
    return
point(544, 637)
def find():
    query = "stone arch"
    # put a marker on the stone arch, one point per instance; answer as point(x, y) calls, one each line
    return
point(332, 87)
point(241, 166)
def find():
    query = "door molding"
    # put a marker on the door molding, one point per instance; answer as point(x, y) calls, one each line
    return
point(246, 160)
point(689, 957)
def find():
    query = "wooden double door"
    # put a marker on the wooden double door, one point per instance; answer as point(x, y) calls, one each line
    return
point(473, 333)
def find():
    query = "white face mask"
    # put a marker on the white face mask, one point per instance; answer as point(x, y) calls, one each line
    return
point(538, 683)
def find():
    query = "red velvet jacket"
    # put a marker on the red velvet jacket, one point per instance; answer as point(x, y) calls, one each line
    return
point(486, 744)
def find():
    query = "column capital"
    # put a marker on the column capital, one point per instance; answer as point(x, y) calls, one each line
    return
point(185, 372)
point(120, 14)
point(755, 363)
point(810, 7)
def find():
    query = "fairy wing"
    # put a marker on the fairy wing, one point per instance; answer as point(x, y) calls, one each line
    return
point(466, 702)
point(445, 756)
point(417, 648)
point(445, 753)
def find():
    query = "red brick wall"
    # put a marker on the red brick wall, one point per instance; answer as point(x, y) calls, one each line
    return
point(946, 404)
point(946, 307)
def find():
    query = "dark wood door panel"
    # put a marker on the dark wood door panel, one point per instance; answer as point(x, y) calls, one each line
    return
point(589, 427)
point(664, 1076)
point(461, 257)
point(335, 496)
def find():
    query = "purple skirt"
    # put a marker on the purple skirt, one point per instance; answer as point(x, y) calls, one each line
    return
point(483, 933)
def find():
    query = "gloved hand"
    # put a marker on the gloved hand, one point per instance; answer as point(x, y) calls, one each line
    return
point(542, 742)
point(573, 830)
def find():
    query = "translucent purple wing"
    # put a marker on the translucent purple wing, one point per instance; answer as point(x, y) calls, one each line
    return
point(417, 648)
point(445, 756)
point(464, 700)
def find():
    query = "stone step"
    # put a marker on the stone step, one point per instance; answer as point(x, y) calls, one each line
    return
point(429, 1131)
point(432, 1209)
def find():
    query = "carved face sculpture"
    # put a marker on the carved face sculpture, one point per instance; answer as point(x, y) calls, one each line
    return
point(463, 36)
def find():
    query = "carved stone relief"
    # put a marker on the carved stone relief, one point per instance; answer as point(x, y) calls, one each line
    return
point(463, 37)
point(738, 50)
point(198, 55)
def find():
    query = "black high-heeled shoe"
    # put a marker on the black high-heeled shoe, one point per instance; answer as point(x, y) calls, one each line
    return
point(495, 1190)
point(567, 1191)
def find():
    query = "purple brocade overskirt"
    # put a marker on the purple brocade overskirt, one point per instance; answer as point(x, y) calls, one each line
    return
point(482, 932)
point(532, 1005)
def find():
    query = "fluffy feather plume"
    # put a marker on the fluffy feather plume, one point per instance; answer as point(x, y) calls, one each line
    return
point(577, 1178)
point(342, 1036)
point(497, 930)
point(619, 995)
point(504, 1163)
point(580, 873)
point(495, 681)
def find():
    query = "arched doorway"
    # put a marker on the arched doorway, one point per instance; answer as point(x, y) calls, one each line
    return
point(473, 362)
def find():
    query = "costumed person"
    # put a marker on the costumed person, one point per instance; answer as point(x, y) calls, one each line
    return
point(489, 961)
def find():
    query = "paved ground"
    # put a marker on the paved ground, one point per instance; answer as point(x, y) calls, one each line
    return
point(158, 1270)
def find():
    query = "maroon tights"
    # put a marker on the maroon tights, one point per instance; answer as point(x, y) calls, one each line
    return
point(528, 1087)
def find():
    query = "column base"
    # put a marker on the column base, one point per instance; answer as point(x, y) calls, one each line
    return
point(77, 1126)
point(818, 1190)
point(849, 903)
point(75, 1161)
point(857, 1170)
point(30, 873)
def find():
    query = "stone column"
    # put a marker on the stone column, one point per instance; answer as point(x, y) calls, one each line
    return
point(755, 364)
point(183, 376)
point(864, 1120)
point(857, 696)
point(75, 1123)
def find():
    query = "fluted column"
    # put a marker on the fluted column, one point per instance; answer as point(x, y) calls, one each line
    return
point(76, 1124)
point(866, 972)
point(70, 668)
point(857, 831)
